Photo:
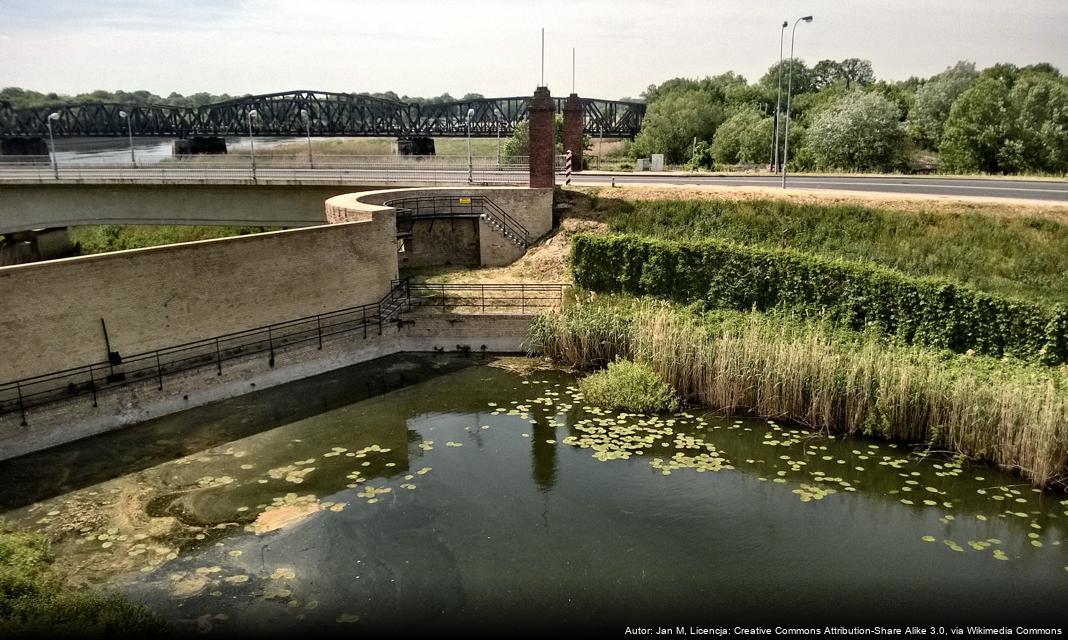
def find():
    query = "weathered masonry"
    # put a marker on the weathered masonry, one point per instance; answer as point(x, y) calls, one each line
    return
point(114, 339)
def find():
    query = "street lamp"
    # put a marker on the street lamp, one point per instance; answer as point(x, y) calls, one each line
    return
point(52, 143)
point(498, 144)
point(470, 161)
point(307, 127)
point(778, 103)
point(252, 113)
point(789, 92)
point(129, 129)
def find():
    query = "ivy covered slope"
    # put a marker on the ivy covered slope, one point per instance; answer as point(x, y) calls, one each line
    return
point(923, 310)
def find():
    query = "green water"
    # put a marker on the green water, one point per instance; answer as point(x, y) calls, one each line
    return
point(471, 495)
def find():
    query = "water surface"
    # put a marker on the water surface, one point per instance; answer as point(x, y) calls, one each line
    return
point(475, 495)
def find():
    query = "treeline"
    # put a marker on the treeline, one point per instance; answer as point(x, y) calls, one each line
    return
point(25, 98)
point(1003, 119)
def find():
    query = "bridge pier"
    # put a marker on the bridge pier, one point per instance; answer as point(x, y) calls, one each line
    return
point(32, 246)
point(198, 145)
point(542, 145)
point(415, 146)
point(23, 147)
point(573, 126)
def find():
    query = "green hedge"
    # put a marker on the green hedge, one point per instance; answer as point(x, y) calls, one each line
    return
point(926, 311)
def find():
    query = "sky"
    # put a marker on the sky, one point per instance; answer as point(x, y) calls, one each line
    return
point(429, 47)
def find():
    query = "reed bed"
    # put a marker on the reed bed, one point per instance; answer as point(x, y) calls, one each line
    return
point(1010, 413)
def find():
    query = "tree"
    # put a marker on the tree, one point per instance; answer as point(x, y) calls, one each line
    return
point(1009, 124)
point(824, 74)
point(934, 100)
point(1041, 104)
point(853, 72)
point(674, 119)
point(856, 72)
point(860, 131)
point(803, 80)
point(745, 138)
point(979, 134)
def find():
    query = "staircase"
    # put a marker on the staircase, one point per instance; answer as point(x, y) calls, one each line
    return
point(410, 210)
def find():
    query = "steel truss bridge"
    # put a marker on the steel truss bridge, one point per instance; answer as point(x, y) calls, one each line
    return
point(329, 114)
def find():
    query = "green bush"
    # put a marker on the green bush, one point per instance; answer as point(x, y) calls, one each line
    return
point(630, 386)
point(928, 311)
point(34, 602)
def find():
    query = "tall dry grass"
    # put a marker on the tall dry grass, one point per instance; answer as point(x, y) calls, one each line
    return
point(1011, 414)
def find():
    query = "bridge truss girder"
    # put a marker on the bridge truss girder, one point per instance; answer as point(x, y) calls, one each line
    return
point(329, 115)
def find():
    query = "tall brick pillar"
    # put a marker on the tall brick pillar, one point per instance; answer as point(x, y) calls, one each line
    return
point(542, 146)
point(573, 130)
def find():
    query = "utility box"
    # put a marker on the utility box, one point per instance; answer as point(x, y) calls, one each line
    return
point(641, 164)
point(658, 162)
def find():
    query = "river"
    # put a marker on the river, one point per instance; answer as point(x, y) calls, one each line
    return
point(445, 493)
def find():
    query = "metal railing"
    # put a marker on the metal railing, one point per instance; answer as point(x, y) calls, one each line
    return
point(158, 364)
point(211, 353)
point(268, 168)
point(461, 206)
point(521, 298)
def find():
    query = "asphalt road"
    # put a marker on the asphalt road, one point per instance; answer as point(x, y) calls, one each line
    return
point(401, 173)
point(1054, 191)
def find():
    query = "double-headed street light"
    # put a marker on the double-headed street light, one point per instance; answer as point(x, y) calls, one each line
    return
point(789, 92)
point(307, 127)
point(252, 113)
point(778, 104)
point(52, 143)
point(470, 160)
point(129, 129)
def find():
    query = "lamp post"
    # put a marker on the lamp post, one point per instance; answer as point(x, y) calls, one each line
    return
point(789, 92)
point(129, 129)
point(307, 127)
point(498, 144)
point(470, 160)
point(52, 143)
point(252, 113)
point(778, 103)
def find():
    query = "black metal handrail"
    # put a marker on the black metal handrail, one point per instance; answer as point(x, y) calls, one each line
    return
point(91, 379)
point(431, 207)
point(520, 298)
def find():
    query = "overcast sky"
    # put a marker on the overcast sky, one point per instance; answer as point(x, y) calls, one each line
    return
point(427, 47)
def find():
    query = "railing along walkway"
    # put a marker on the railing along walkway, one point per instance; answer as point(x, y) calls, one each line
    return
point(409, 210)
point(211, 353)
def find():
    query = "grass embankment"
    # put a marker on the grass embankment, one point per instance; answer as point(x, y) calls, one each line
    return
point(34, 602)
point(1022, 256)
point(111, 237)
point(1010, 413)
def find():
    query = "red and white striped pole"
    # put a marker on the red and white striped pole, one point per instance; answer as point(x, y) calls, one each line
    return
point(567, 168)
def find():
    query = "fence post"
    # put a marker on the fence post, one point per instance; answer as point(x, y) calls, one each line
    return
point(22, 407)
point(483, 286)
point(442, 298)
point(270, 345)
point(159, 371)
point(218, 357)
point(523, 296)
point(365, 323)
point(319, 330)
point(92, 384)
